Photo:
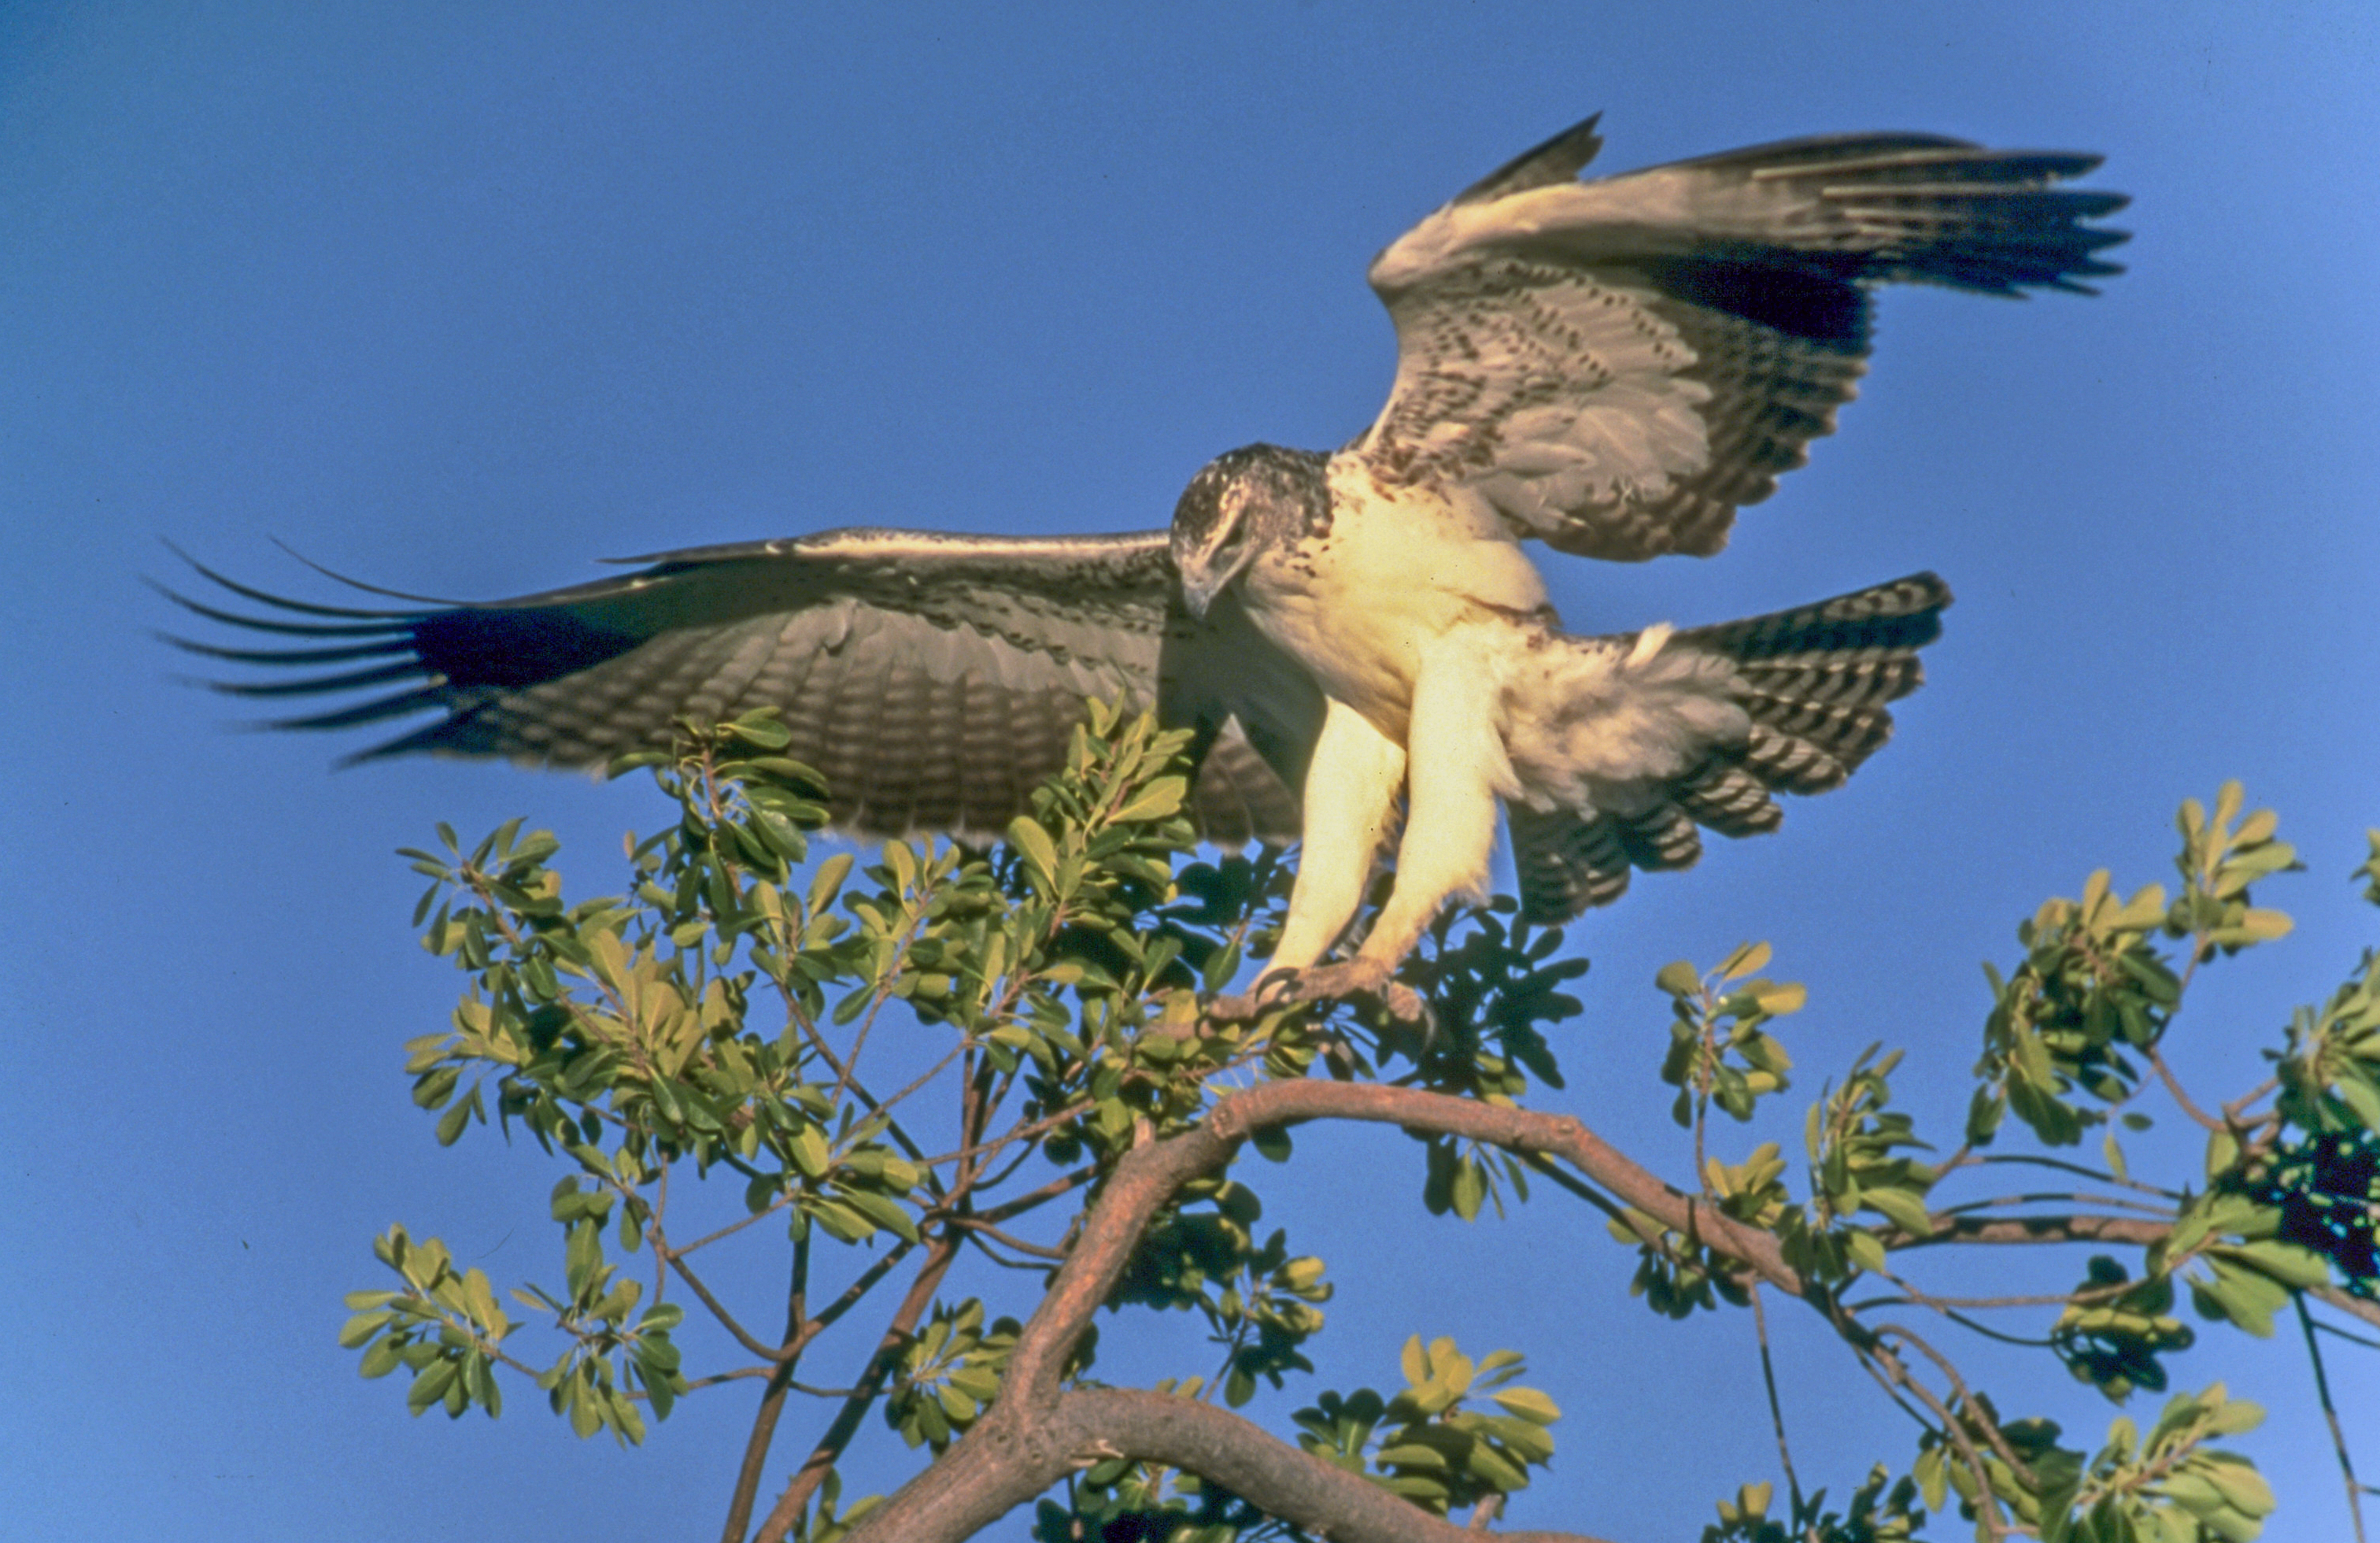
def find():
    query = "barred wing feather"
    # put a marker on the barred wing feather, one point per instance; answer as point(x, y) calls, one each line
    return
point(1616, 366)
point(935, 679)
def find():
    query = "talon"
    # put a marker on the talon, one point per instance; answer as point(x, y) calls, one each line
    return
point(1281, 985)
point(1272, 989)
point(1361, 978)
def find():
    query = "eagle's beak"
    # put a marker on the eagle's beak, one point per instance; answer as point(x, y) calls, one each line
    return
point(1198, 595)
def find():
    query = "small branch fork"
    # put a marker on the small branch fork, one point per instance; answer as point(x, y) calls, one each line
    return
point(1038, 1432)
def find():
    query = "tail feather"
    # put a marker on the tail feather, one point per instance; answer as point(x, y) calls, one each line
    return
point(1729, 800)
point(1849, 735)
point(1813, 681)
point(1661, 839)
point(1857, 677)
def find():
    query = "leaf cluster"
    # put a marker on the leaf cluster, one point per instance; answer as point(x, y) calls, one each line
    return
point(1430, 1443)
point(716, 1021)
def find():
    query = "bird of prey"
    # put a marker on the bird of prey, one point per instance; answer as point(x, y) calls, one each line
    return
point(1360, 640)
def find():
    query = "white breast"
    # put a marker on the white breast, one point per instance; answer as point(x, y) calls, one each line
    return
point(1358, 604)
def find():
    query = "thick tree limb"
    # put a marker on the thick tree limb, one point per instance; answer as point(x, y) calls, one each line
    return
point(1034, 1435)
point(1004, 1464)
point(1037, 1433)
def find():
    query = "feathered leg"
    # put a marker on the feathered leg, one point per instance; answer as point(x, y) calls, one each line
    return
point(1456, 768)
point(1351, 788)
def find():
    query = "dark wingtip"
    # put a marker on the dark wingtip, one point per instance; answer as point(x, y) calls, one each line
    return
point(284, 657)
point(265, 597)
point(336, 577)
point(392, 623)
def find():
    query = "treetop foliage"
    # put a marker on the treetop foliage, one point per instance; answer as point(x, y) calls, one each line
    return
point(956, 1051)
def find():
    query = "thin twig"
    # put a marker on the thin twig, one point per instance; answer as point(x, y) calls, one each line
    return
point(982, 1148)
point(2047, 1196)
point(1037, 1250)
point(2237, 1109)
point(822, 1457)
point(733, 1227)
point(1776, 1410)
point(2351, 1338)
point(744, 1336)
point(1033, 1197)
point(1987, 1500)
point(922, 1079)
point(772, 1399)
point(1992, 1433)
point(2181, 1098)
point(2330, 1412)
point(2031, 1160)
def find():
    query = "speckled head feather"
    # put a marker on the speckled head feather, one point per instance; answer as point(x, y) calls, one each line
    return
point(1258, 497)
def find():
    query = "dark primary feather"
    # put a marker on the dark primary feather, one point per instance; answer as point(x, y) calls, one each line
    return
point(1814, 681)
point(934, 679)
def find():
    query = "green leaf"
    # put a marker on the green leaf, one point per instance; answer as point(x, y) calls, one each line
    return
point(381, 1359)
point(1904, 1207)
point(361, 1327)
point(1470, 1187)
point(1529, 1404)
point(766, 733)
point(1415, 1362)
point(1033, 843)
point(1159, 800)
point(886, 1213)
point(810, 1152)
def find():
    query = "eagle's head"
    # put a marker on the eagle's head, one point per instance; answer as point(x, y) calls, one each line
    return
point(1257, 498)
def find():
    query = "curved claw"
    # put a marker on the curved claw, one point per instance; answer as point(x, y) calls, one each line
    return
point(1359, 977)
point(1271, 990)
point(1352, 977)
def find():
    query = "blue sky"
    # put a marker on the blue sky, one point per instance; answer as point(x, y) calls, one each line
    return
point(460, 297)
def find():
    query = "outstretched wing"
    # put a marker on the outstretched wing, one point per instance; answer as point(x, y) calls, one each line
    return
point(1617, 365)
point(934, 679)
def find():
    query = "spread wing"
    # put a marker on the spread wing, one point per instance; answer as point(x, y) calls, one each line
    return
point(1617, 365)
point(934, 679)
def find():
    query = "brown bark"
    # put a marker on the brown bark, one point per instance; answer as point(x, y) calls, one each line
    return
point(822, 1457)
point(1036, 1434)
point(2045, 1229)
point(1004, 1464)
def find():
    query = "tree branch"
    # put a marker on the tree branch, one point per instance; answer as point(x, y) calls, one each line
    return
point(822, 1457)
point(1035, 1434)
point(772, 1398)
point(2330, 1412)
point(2041, 1229)
point(2354, 1307)
point(1004, 1464)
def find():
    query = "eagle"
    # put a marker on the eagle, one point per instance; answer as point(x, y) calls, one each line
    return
point(1359, 639)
